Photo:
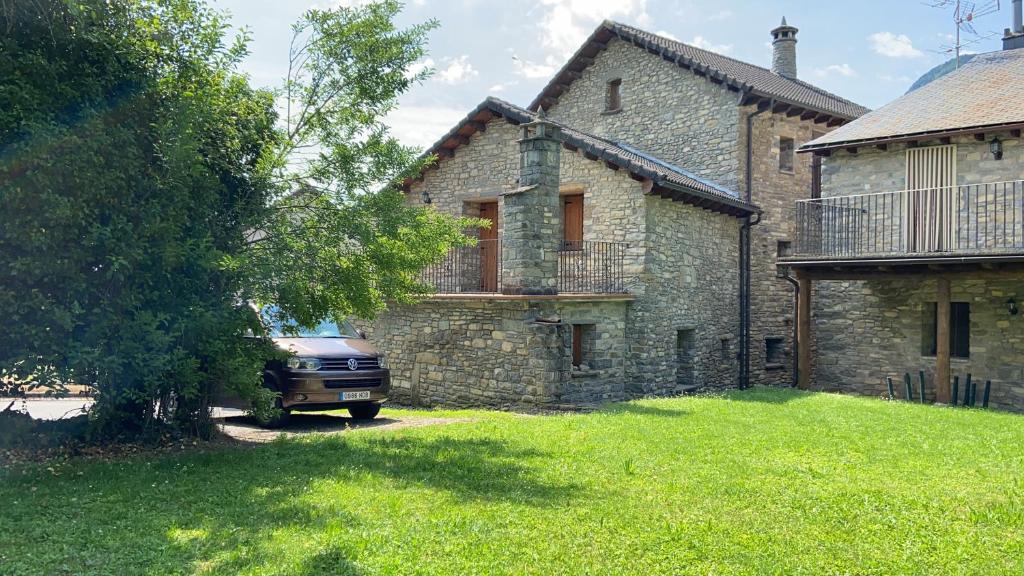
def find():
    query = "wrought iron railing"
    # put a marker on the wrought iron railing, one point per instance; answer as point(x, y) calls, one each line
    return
point(967, 219)
point(467, 270)
point(590, 267)
point(584, 267)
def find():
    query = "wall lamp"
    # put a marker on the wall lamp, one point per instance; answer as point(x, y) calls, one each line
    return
point(425, 196)
point(996, 147)
point(1012, 305)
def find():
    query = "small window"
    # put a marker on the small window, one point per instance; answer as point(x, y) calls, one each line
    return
point(774, 352)
point(959, 330)
point(613, 95)
point(786, 148)
point(726, 345)
point(783, 248)
point(582, 346)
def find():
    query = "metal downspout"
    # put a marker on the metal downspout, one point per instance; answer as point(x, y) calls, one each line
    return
point(744, 372)
point(796, 345)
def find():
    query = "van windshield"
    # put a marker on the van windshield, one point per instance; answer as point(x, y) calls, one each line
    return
point(325, 329)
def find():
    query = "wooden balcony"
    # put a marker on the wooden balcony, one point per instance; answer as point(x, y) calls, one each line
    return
point(972, 223)
point(584, 267)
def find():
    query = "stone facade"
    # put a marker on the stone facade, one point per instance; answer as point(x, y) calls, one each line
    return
point(680, 325)
point(872, 329)
point(866, 330)
point(666, 111)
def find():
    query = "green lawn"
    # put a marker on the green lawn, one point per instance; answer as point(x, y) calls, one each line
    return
point(758, 482)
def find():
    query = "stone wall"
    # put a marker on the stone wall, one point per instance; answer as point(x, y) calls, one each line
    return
point(776, 192)
point(666, 111)
point(691, 282)
point(871, 170)
point(503, 352)
point(876, 328)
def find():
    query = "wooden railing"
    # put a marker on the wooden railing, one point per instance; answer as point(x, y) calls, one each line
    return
point(966, 219)
point(584, 267)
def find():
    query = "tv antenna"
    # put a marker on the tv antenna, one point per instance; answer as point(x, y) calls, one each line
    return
point(965, 13)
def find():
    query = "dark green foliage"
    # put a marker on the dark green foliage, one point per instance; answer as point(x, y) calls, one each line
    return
point(138, 170)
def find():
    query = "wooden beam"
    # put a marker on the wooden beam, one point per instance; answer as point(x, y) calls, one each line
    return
point(942, 317)
point(882, 147)
point(945, 140)
point(477, 126)
point(611, 165)
point(803, 332)
point(585, 61)
point(852, 149)
point(980, 136)
point(1015, 133)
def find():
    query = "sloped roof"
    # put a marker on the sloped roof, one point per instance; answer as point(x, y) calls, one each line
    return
point(755, 82)
point(984, 93)
point(668, 180)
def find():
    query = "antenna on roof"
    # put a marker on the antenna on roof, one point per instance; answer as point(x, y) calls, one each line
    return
point(965, 13)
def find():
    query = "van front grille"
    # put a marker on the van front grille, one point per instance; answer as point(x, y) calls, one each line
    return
point(338, 364)
point(353, 383)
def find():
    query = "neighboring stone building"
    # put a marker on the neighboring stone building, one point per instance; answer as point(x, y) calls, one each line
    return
point(913, 259)
point(641, 265)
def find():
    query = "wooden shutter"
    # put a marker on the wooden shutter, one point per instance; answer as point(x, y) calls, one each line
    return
point(489, 248)
point(929, 210)
point(572, 221)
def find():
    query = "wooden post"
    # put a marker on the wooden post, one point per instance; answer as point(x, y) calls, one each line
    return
point(942, 313)
point(803, 332)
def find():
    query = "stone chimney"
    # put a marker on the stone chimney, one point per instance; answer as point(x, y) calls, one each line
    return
point(532, 213)
point(1014, 37)
point(784, 50)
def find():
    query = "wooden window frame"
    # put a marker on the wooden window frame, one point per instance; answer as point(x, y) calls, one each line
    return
point(959, 330)
point(613, 95)
point(788, 168)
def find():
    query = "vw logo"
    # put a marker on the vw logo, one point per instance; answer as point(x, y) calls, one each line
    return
point(353, 364)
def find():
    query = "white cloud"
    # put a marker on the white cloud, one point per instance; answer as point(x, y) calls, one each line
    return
point(701, 42)
point(501, 87)
point(840, 69)
point(422, 125)
point(419, 66)
point(668, 35)
point(891, 78)
point(458, 71)
point(893, 45)
point(720, 15)
point(565, 24)
point(533, 70)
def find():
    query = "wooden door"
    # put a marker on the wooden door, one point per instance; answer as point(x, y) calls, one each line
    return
point(572, 221)
point(489, 248)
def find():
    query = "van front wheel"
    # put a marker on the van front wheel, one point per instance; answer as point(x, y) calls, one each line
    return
point(366, 411)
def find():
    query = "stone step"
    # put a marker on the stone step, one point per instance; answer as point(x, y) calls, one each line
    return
point(689, 389)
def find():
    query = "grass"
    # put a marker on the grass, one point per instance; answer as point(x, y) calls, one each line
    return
point(757, 482)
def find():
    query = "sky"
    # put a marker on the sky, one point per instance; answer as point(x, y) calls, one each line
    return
point(868, 51)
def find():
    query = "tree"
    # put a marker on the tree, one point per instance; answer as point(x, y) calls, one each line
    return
point(148, 193)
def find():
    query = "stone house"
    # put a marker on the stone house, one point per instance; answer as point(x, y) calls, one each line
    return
point(638, 206)
point(913, 257)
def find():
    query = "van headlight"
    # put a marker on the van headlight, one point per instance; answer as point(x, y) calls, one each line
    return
point(303, 363)
point(382, 362)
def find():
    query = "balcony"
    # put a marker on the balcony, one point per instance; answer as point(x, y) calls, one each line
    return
point(973, 222)
point(584, 267)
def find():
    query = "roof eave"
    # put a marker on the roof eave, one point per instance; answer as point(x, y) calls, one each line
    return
point(911, 137)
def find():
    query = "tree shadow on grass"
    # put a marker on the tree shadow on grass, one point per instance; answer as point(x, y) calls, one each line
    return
point(239, 510)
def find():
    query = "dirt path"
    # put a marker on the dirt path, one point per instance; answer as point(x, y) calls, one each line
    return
point(244, 429)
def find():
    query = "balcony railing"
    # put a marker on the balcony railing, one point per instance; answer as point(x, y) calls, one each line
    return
point(585, 267)
point(968, 219)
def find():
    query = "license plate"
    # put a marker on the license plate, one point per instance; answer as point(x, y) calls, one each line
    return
point(361, 395)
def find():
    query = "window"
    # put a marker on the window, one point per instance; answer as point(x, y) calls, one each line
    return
point(572, 222)
point(816, 168)
point(582, 346)
point(684, 357)
point(613, 96)
point(786, 148)
point(783, 248)
point(774, 352)
point(725, 346)
point(959, 330)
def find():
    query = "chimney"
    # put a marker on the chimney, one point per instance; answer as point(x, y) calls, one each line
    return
point(1014, 37)
point(532, 213)
point(784, 50)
